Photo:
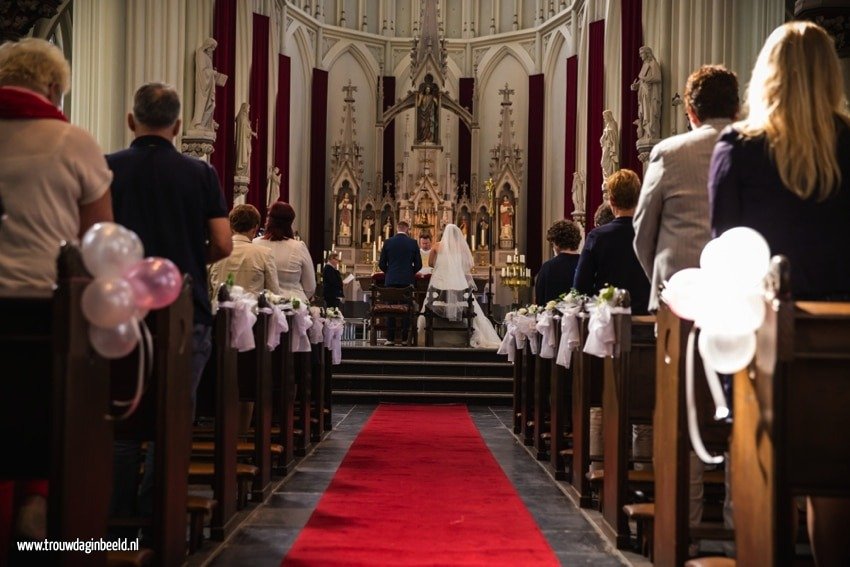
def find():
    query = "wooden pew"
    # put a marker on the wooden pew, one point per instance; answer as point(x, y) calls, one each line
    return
point(542, 409)
point(303, 363)
point(45, 342)
point(317, 390)
point(283, 384)
point(584, 370)
point(560, 382)
point(529, 364)
point(791, 433)
point(163, 416)
point(518, 391)
point(327, 412)
point(629, 383)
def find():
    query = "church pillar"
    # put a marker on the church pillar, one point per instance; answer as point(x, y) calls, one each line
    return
point(224, 60)
point(595, 100)
point(318, 174)
point(259, 100)
point(534, 191)
point(631, 41)
point(282, 114)
point(570, 133)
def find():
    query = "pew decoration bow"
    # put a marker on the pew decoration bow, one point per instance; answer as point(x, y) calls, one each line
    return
point(125, 288)
point(600, 329)
point(243, 305)
point(509, 341)
point(277, 324)
point(334, 325)
point(724, 298)
point(526, 327)
point(316, 329)
point(570, 305)
point(546, 327)
point(302, 322)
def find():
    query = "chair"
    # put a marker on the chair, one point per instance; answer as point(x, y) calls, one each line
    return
point(395, 302)
point(467, 315)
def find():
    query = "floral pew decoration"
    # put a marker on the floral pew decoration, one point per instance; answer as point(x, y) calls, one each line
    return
point(600, 329)
point(333, 328)
point(302, 321)
point(571, 306)
point(520, 326)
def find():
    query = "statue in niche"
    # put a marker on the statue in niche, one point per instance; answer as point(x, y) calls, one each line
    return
point(368, 227)
point(273, 189)
point(578, 191)
point(244, 133)
point(464, 225)
point(345, 207)
point(388, 228)
point(610, 142)
point(206, 80)
point(648, 87)
point(506, 219)
point(483, 225)
point(428, 112)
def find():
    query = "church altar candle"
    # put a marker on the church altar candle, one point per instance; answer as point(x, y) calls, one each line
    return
point(509, 258)
point(522, 258)
point(374, 250)
point(318, 267)
point(528, 272)
point(473, 242)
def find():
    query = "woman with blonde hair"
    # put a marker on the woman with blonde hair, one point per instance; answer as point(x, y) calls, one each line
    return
point(785, 172)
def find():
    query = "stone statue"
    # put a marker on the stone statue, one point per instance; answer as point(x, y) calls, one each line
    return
point(648, 87)
point(578, 191)
point(244, 133)
point(345, 208)
point(206, 80)
point(610, 142)
point(428, 112)
point(388, 228)
point(483, 225)
point(368, 227)
point(464, 226)
point(273, 189)
point(506, 219)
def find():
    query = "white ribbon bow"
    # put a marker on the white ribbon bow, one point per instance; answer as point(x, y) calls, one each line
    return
point(277, 325)
point(242, 323)
point(333, 338)
point(302, 323)
point(509, 342)
point(570, 338)
point(527, 329)
point(600, 330)
point(317, 326)
point(545, 327)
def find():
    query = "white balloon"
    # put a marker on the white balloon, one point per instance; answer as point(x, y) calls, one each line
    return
point(727, 353)
point(740, 256)
point(108, 302)
point(732, 312)
point(686, 293)
point(108, 249)
point(116, 342)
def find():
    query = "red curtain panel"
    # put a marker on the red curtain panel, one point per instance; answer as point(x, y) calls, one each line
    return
point(595, 101)
point(281, 140)
point(224, 61)
point(534, 201)
point(570, 125)
point(258, 97)
point(318, 162)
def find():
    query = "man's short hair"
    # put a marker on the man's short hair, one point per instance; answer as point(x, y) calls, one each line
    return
point(333, 256)
point(565, 234)
point(156, 105)
point(712, 92)
point(402, 226)
point(425, 236)
point(34, 64)
point(244, 217)
point(603, 215)
point(623, 189)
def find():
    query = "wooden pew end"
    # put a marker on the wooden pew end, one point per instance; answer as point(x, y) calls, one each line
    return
point(710, 562)
point(644, 517)
point(199, 509)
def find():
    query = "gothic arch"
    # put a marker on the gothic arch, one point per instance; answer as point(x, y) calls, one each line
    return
point(302, 40)
point(494, 56)
point(366, 60)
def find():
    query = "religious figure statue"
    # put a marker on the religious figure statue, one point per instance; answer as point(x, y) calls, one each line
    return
point(428, 112)
point(648, 86)
point(345, 207)
point(206, 80)
point(273, 189)
point(388, 228)
point(464, 226)
point(368, 227)
point(244, 133)
point(422, 220)
point(610, 142)
point(506, 219)
point(483, 225)
point(578, 192)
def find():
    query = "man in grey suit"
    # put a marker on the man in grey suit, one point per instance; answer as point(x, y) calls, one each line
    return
point(671, 221)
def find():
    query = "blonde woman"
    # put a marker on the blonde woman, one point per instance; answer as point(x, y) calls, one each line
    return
point(785, 171)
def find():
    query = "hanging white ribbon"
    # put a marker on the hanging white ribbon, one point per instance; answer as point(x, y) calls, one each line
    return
point(690, 402)
point(277, 325)
point(333, 338)
point(527, 329)
point(546, 327)
point(145, 367)
point(302, 323)
point(242, 322)
point(508, 346)
point(570, 337)
point(600, 329)
point(315, 332)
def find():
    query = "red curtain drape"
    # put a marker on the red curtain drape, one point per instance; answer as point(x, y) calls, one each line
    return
point(389, 138)
point(224, 60)
point(258, 97)
point(464, 149)
point(281, 140)
point(534, 201)
point(318, 159)
point(570, 132)
point(632, 39)
point(595, 102)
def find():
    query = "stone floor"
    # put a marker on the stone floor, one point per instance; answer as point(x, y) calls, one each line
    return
point(269, 530)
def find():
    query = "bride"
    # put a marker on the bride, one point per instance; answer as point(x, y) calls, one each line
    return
point(451, 284)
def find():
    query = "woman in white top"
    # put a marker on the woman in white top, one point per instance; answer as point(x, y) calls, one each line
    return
point(291, 257)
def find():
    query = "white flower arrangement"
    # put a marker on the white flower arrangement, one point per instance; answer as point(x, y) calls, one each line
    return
point(333, 313)
point(551, 305)
point(522, 311)
point(534, 309)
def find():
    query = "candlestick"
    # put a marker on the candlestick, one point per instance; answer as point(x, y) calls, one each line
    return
point(509, 258)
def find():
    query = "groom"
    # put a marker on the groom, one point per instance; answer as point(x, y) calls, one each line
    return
point(400, 260)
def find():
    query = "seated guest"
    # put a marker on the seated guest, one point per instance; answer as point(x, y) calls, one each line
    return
point(425, 251)
point(252, 266)
point(291, 258)
point(54, 184)
point(332, 281)
point(785, 172)
point(556, 275)
point(609, 257)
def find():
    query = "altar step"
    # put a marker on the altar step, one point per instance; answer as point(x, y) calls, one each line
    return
point(421, 374)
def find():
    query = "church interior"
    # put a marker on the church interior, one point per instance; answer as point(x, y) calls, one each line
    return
point(425, 282)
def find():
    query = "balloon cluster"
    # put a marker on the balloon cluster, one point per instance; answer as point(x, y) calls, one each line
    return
point(126, 286)
point(724, 297)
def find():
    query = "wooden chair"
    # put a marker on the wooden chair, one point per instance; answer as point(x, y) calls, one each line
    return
point(467, 314)
point(392, 302)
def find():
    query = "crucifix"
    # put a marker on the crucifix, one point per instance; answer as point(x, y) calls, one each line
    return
point(387, 187)
point(464, 188)
point(349, 91)
point(506, 92)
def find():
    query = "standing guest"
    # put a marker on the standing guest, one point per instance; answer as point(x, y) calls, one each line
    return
point(54, 184)
point(608, 257)
point(400, 260)
point(671, 220)
point(603, 215)
point(175, 205)
point(291, 258)
point(425, 252)
point(785, 172)
point(252, 267)
point(556, 274)
point(332, 281)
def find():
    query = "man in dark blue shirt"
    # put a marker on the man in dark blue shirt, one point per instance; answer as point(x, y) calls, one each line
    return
point(609, 257)
point(556, 275)
point(174, 203)
point(332, 281)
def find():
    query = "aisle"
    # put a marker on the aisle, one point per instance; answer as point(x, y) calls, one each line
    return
point(272, 529)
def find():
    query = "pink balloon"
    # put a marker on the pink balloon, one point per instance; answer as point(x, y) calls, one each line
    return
point(156, 282)
point(108, 302)
point(116, 342)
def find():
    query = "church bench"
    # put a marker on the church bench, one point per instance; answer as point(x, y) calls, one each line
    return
point(199, 509)
point(711, 562)
point(643, 515)
point(163, 416)
point(542, 406)
point(791, 431)
point(529, 364)
point(206, 473)
point(44, 342)
point(327, 380)
point(318, 390)
point(517, 390)
point(303, 374)
point(283, 386)
point(560, 436)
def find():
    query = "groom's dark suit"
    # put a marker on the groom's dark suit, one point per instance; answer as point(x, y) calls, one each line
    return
point(400, 260)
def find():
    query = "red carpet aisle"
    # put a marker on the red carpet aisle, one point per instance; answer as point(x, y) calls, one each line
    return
point(420, 487)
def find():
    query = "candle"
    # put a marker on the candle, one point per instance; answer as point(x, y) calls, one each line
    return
point(528, 272)
point(333, 247)
point(374, 250)
point(509, 258)
point(473, 242)
point(522, 258)
point(318, 267)
point(326, 255)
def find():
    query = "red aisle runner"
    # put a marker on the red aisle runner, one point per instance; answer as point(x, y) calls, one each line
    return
point(420, 487)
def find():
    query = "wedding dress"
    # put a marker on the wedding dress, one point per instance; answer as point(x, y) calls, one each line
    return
point(451, 286)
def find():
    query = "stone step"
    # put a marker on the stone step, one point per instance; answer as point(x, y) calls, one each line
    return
point(424, 367)
point(486, 398)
